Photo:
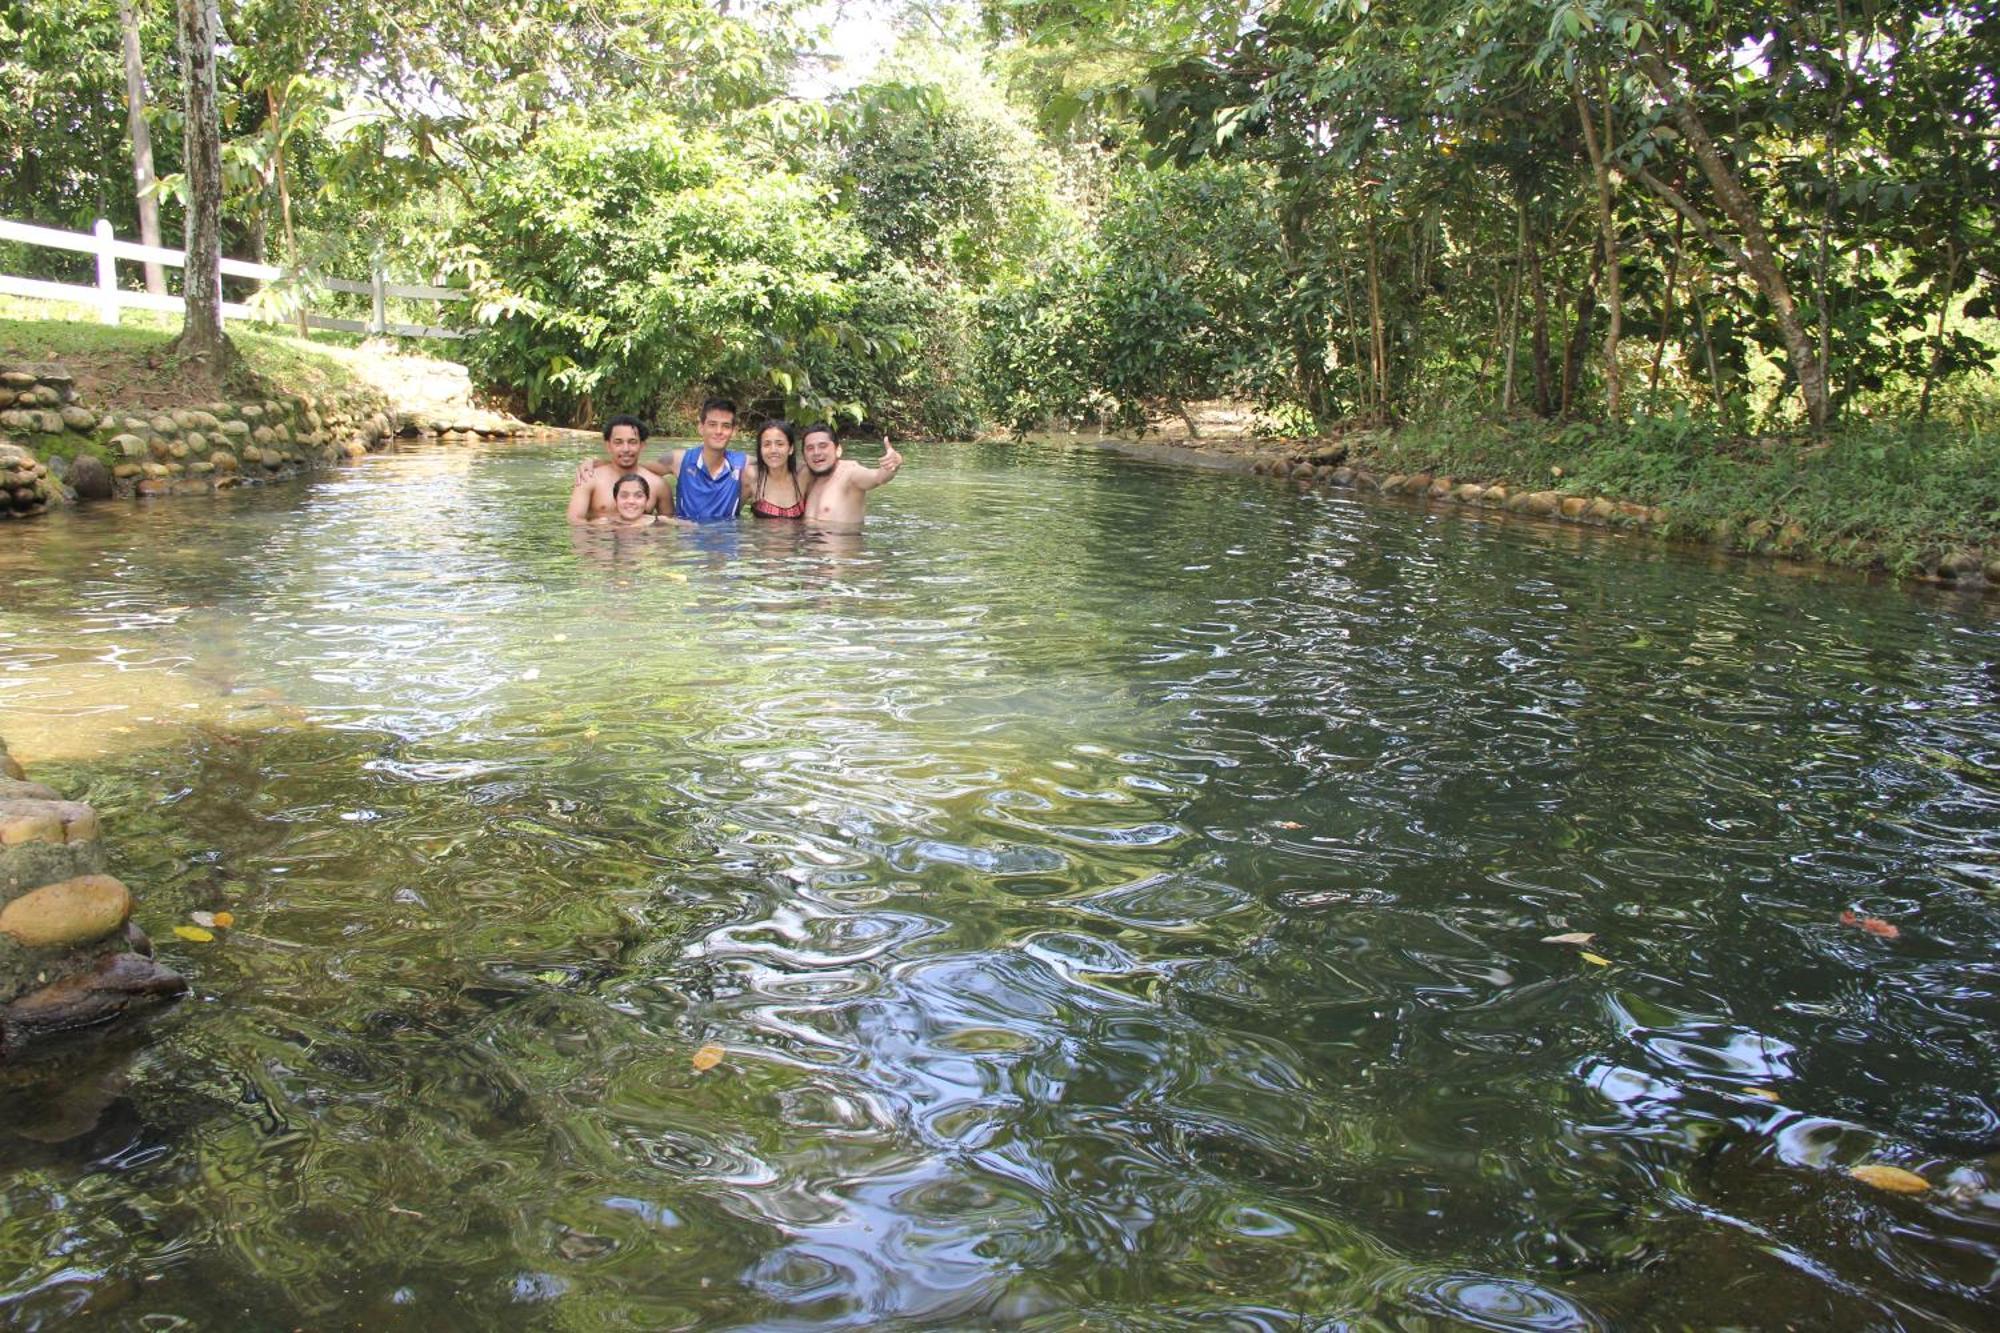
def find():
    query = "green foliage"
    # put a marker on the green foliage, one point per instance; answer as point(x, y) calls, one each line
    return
point(620, 266)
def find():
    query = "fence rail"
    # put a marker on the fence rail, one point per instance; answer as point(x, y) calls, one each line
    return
point(110, 298)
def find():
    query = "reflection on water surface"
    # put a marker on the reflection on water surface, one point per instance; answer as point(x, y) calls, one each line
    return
point(1118, 895)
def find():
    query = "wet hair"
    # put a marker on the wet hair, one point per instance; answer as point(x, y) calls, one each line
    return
point(631, 421)
point(791, 452)
point(821, 428)
point(716, 405)
point(645, 486)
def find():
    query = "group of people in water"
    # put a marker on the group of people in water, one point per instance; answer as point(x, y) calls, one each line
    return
point(795, 475)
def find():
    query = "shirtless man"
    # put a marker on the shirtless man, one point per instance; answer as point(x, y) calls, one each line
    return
point(839, 493)
point(707, 482)
point(591, 497)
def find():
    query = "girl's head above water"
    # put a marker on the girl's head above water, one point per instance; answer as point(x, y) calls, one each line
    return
point(632, 494)
point(775, 439)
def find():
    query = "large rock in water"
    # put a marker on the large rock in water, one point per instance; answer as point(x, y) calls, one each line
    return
point(70, 957)
point(90, 478)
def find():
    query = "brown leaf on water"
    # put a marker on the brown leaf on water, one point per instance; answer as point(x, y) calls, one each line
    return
point(1874, 925)
point(1574, 937)
point(1289, 823)
point(1765, 1093)
point(1891, 1178)
point(708, 1057)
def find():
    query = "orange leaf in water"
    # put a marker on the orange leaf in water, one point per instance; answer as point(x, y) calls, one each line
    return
point(1874, 925)
point(708, 1057)
point(1892, 1178)
point(225, 919)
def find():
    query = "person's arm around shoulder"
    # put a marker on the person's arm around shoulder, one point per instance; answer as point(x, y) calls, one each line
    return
point(667, 464)
point(868, 478)
point(579, 499)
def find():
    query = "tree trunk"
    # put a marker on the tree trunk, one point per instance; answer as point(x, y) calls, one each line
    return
point(1539, 339)
point(1511, 328)
point(1380, 339)
point(1937, 341)
point(202, 340)
point(1579, 333)
point(276, 103)
point(142, 143)
point(1667, 308)
point(1755, 255)
point(1608, 227)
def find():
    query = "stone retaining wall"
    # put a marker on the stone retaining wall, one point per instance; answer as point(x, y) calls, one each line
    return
point(70, 957)
point(54, 449)
point(1960, 568)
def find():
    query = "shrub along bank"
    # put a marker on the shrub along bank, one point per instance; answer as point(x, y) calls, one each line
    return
point(1899, 499)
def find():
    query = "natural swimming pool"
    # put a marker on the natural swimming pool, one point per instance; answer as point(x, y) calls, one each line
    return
point(1118, 894)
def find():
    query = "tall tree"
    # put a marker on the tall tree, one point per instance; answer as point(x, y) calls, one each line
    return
point(142, 142)
point(202, 341)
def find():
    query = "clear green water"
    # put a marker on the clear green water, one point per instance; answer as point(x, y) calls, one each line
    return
point(1118, 893)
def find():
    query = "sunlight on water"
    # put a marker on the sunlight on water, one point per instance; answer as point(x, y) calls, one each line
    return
point(1114, 895)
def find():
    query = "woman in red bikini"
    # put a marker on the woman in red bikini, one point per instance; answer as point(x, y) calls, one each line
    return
point(772, 479)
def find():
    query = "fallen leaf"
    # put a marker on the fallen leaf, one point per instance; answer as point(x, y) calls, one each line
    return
point(404, 1212)
point(552, 977)
point(1290, 823)
point(1574, 937)
point(1891, 1178)
point(708, 1057)
point(195, 934)
point(1593, 958)
point(1874, 925)
point(202, 918)
point(1765, 1093)
point(225, 919)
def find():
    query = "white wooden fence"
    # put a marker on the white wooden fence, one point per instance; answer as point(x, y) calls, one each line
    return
point(110, 298)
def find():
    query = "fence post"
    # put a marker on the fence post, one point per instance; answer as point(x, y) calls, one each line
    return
point(378, 321)
point(107, 274)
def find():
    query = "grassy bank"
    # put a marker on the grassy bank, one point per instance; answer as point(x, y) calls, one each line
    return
point(126, 365)
point(1899, 497)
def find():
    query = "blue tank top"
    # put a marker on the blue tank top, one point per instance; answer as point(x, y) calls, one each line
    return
point(701, 497)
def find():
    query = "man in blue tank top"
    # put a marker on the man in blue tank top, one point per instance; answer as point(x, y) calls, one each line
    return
point(708, 482)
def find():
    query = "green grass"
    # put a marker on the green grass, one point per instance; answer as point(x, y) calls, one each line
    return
point(1885, 495)
point(129, 356)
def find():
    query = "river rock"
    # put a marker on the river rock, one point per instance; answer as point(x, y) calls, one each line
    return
point(17, 379)
point(131, 446)
point(90, 478)
point(74, 911)
point(165, 424)
point(1393, 483)
point(126, 471)
point(236, 430)
point(1600, 510)
point(1467, 493)
point(1493, 497)
point(30, 825)
point(250, 411)
point(223, 461)
point(1573, 506)
point(79, 418)
point(1960, 564)
point(262, 435)
point(20, 789)
point(76, 821)
point(117, 984)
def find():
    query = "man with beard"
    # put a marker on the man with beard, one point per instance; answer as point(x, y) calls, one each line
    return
point(707, 482)
point(592, 496)
point(838, 495)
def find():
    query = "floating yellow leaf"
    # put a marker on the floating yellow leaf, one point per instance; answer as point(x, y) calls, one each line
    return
point(1593, 958)
point(225, 919)
point(1892, 1178)
point(708, 1057)
point(195, 934)
point(1765, 1093)
point(1574, 937)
